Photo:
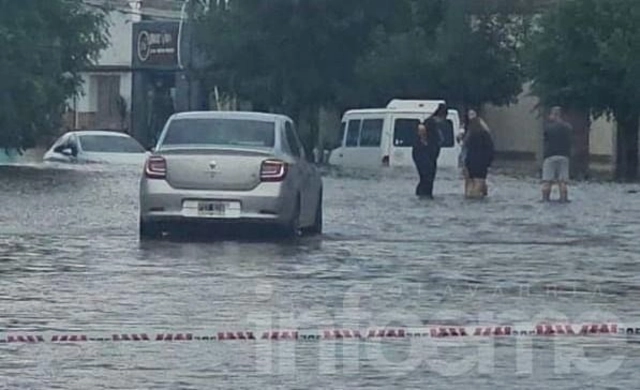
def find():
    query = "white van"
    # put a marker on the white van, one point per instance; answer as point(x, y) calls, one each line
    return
point(385, 136)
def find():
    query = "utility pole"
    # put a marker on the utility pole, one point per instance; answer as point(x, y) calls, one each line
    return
point(190, 19)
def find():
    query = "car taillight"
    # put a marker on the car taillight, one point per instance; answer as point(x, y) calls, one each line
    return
point(155, 167)
point(273, 170)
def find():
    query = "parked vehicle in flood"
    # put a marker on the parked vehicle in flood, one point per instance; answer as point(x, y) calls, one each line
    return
point(385, 136)
point(230, 167)
point(96, 146)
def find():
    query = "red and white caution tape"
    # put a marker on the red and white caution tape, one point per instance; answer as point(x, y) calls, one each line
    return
point(434, 332)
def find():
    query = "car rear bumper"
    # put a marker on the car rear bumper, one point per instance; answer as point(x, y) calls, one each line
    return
point(268, 203)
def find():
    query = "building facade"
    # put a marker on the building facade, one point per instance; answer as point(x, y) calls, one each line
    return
point(141, 77)
point(162, 56)
point(105, 101)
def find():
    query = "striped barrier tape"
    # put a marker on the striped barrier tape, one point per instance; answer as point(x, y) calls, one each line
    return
point(434, 332)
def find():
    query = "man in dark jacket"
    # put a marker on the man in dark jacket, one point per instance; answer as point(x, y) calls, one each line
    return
point(557, 151)
point(434, 126)
point(478, 157)
point(424, 153)
point(433, 145)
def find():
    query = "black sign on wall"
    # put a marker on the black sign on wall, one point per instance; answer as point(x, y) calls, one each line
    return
point(155, 45)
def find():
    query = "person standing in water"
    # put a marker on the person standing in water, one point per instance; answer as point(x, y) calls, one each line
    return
point(433, 126)
point(478, 156)
point(425, 153)
point(460, 138)
point(557, 151)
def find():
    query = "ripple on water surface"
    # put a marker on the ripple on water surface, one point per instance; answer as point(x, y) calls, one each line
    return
point(70, 260)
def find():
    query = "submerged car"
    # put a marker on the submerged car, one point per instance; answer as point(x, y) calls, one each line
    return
point(96, 146)
point(230, 167)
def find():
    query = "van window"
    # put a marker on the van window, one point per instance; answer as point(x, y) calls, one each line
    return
point(353, 133)
point(448, 135)
point(404, 132)
point(371, 134)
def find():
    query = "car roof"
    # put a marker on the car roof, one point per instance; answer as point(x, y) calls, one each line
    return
point(262, 116)
point(100, 132)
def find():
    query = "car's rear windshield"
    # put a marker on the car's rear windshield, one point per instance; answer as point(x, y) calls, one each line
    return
point(220, 132)
point(109, 144)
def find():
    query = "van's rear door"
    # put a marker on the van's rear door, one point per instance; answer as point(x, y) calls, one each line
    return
point(403, 134)
point(363, 146)
point(369, 152)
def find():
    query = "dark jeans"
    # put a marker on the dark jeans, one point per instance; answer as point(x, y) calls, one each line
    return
point(425, 186)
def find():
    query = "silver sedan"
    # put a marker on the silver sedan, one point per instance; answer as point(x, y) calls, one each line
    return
point(230, 167)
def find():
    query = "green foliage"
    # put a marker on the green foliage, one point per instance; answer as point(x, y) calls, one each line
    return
point(466, 59)
point(288, 54)
point(292, 56)
point(485, 64)
point(585, 55)
point(44, 45)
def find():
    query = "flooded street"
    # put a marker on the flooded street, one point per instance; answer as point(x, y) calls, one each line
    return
point(71, 261)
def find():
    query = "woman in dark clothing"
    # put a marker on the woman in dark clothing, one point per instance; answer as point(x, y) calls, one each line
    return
point(478, 155)
point(425, 154)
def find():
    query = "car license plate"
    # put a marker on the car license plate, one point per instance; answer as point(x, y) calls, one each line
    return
point(212, 209)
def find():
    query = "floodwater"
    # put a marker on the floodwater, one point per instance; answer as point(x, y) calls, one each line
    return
point(71, 261)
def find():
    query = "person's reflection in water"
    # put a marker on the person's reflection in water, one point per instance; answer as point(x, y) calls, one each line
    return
point(425, 154)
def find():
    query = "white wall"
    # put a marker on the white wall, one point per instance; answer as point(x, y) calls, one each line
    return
point(119, 51)
point(83, 101)
point(89, 101)
point(126, 80)
point(118, 54)
point(518, 128)
point(601, 137)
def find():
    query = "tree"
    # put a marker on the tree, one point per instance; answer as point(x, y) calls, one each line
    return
point(290, 56)
point(450, 50)
point(584, 56)
point(44, 45)
point(295, 56)
point(480, 60)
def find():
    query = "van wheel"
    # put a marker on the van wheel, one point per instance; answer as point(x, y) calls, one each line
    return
point(293, 229)
point(149, 230)
point(317, 222)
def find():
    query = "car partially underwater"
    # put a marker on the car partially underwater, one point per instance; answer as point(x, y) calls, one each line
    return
point(96, 146)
